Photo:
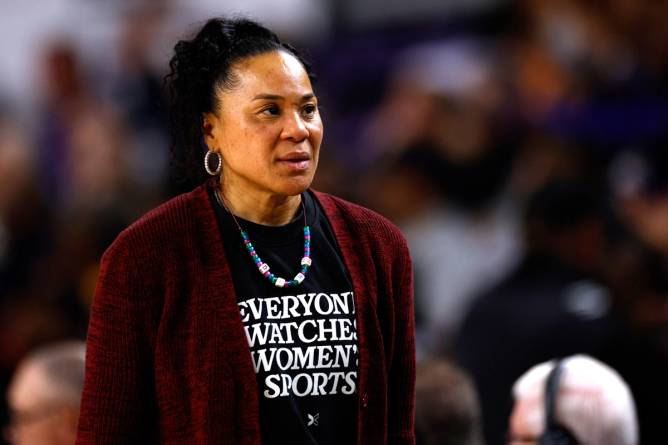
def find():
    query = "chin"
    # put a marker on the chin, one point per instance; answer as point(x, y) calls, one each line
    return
point(294, 186)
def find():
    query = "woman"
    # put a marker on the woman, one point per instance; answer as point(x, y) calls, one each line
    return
point(317, 289)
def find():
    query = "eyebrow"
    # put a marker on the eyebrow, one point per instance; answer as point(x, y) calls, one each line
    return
point(277, 97)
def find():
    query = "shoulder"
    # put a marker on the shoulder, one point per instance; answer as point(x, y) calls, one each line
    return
point(360, 221)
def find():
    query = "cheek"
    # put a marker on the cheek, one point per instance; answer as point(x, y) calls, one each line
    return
point(247, 147)
point(316, 132)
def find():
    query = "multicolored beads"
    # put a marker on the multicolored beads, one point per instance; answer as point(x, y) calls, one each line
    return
point(264, 268)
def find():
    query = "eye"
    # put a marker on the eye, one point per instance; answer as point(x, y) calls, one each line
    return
point(309, 110)
point(270, 110)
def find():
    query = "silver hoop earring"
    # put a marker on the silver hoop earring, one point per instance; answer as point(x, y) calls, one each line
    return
point(207, 165)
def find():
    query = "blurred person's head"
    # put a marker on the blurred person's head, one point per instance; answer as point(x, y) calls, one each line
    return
point(97, 164)
point(141, 25)
point(563, 220)
point(640, 184)
point(16, 165)
point(589, 404)
point(447, 410)
point(62, 72)
point(451, 133)
point(44, 395)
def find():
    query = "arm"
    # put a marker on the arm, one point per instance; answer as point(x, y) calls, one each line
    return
point(118, 402)
point(401, 378)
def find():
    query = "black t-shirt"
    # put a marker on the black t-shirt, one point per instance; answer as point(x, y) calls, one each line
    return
point(303, 339)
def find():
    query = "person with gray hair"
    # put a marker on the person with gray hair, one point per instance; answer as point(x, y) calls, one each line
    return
point(586, 402)
point(44, 395)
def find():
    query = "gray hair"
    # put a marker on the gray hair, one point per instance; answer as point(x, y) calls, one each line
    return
point(593, 402)
point(62, 365)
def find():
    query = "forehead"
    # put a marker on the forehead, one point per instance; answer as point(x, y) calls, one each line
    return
point(276, 72)
point(28, 387)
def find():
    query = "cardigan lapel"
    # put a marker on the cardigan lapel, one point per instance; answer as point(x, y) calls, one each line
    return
point(353, 261)
point(226, 326)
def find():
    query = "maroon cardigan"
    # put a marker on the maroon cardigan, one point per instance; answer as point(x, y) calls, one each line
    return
point(168, 361)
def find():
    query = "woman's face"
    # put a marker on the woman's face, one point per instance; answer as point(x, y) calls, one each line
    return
point(267, 128)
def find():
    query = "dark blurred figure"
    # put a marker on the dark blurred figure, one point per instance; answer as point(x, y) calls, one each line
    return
point(639, 350)
point(551, 305)
point(24, 219)
point(25, 237)
point(83, 159)
point(639, 180)
point(579, 398)
point(82, 153)
point(445, 157)
point(638, 269)
point(44, 395)
point(65, 196)
point(138, 93)
point(446, 406)
point(442, 114)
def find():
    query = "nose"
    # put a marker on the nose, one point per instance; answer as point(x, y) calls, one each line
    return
point(294, 127)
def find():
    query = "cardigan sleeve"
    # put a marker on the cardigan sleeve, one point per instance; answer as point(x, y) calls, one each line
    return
point(118, 397)
point(401, 378)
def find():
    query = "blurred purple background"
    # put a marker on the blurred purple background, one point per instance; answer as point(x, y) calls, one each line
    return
point(519, 145)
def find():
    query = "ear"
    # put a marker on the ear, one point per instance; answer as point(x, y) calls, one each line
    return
point(210, 129)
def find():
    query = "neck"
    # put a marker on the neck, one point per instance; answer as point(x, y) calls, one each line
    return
point(261, 208)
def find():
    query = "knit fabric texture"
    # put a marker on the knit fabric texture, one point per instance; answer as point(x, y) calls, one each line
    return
point(168, 361)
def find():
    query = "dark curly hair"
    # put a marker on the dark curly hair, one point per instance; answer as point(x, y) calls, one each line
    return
point(198, 67)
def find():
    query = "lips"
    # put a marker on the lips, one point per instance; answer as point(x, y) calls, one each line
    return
point(295, 156)
point(296, 161)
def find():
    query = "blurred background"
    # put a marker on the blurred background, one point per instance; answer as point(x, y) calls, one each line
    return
point(519, 145)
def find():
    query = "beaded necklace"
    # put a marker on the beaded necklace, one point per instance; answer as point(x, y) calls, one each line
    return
point(264, 267)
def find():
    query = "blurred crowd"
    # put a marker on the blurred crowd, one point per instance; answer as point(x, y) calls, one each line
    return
point(519, 145)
